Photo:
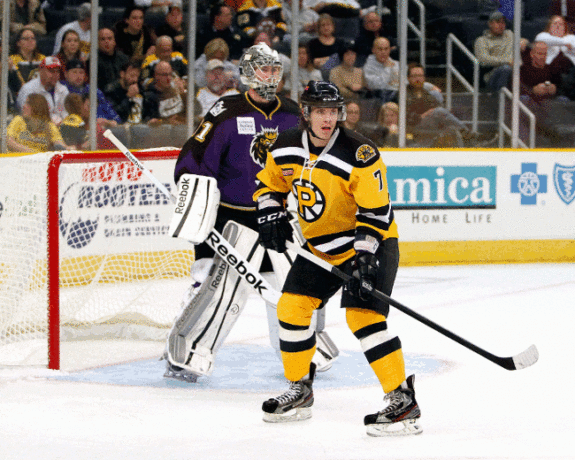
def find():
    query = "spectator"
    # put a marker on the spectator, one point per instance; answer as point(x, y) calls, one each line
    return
point(70, 50)
point(133, 37)
point(307, 71)
point(380, 72)
point(26, 60)
point(48, 85)
point(560, 45)
point(81, 26)
point(538, 79)
point(424, 113)
point(494, 51)
point(218, 84)
point(175, 28)
point(388, 117)
point(222, 26)
point(165, 52)
point(124, 94)
point(306, 24)
point(33, 130)
point(215, 49)
point(163, 102)
point(326, 48)
point(75, 81)
point(252, 12)
point(347, 77)
point(110, 58)
point(27, 13)
point(73, 128)
point(372, 27)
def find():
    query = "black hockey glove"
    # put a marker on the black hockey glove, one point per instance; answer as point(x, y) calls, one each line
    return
point(274, 228)
point(364, 270)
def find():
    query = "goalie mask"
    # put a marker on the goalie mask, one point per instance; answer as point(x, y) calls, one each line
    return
point(322, 94)
point(262, 70)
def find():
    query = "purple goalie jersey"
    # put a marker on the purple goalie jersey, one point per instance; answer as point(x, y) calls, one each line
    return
point(231, 144)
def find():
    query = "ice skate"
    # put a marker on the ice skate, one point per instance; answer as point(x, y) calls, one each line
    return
point(295, 404)
point(401, 415)
point(177, 373)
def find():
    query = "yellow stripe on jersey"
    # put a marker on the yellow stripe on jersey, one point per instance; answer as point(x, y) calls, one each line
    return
point(334, 197)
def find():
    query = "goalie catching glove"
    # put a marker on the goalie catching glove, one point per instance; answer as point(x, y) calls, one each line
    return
point(273, 224)
point(364, 268)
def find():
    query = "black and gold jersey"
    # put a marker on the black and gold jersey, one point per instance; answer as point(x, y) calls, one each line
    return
point(339, 191)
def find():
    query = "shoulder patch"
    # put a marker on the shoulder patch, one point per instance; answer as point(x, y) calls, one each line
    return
point(217, 109)
point(365, 153)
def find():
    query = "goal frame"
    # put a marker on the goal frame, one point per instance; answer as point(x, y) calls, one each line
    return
point(53, 232)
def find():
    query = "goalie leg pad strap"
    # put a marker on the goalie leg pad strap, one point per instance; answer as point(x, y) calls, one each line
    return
point(208, 319)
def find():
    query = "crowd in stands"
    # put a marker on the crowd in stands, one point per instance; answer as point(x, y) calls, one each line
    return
point(143, 66)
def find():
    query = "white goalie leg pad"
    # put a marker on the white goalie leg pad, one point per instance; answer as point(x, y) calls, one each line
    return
point(196, 208)
point(208, 319)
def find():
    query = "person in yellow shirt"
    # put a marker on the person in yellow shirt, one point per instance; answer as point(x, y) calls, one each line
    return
point(34, 131)
point(339, 183)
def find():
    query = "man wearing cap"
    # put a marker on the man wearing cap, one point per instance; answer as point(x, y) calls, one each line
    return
point(47, 85)
point(75, 81)
point(81, 25)
point(219, 84)
point(494, 51)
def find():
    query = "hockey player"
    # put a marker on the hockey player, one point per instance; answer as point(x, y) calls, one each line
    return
point(230, 145)
point(339, 181)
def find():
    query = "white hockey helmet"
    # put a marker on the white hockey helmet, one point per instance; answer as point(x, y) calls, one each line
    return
point(262, 70)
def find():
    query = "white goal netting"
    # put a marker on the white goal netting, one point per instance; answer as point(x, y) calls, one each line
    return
point(99, 228)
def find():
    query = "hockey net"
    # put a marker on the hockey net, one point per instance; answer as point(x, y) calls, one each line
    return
point(84, 254)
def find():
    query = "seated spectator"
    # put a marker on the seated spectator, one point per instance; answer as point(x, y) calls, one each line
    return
point(354, 122)
point(27, 13)
point(26, 59)
point(347, 77)
point(70, 50)
point(110, 58)
point(218, 84)
point(252, 12)
point(326, 48)
point(82, 26)
point(306, 24)
point(560, 45)
point(175, 28)
point(163, 102)
point(75, 81)
point(494, 51)
point(307, 71)
point(73, 128)
point(380, 72)
point(222, 26)
point(48, 85)
point(372, 27)
point(336, 9)
point(388, 117)
point(33, 130)
point(164, 52)
point(538, 80)
point(133, 37)
point(215, 49)
point(124, 94)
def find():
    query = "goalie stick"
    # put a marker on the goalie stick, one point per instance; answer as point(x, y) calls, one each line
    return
point(214, 239)
point(520, 361)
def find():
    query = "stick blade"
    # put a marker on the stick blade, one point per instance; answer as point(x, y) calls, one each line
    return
point(526, 358)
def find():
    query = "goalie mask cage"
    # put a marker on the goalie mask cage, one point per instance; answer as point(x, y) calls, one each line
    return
point(84, 253)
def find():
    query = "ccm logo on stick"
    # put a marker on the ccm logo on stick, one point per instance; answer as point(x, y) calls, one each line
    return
point(254, 279)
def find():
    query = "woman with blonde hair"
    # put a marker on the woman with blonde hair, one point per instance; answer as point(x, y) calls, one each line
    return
point(215, 49)
point(326, 48)
point(388, 117)
point(34, 131)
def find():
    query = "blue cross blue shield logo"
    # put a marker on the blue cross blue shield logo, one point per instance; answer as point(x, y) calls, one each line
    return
point(564, 179)
point(529, 183)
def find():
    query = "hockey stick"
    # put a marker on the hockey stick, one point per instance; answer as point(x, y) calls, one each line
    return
point(521, 361)
point(215, 240)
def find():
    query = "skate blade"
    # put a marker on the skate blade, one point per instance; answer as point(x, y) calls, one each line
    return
point(403, 428)
point(294, 415)
point(188, 378)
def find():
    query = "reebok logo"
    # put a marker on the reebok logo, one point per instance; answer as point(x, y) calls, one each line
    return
point(184, 187)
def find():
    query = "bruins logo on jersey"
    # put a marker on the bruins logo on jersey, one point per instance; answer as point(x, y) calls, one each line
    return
point(310, 200)
point(365, 153)
point(262, 143)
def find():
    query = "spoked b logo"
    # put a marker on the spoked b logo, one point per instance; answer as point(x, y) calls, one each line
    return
point(311, 202)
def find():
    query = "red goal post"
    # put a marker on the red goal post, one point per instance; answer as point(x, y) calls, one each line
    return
point(85, 252)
